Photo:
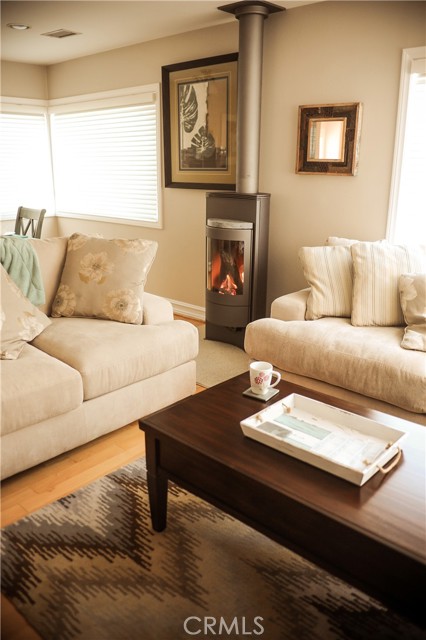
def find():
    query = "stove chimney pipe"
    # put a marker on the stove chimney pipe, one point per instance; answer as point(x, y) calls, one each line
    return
point(251, 15)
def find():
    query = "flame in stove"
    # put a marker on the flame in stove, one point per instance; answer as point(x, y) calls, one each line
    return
point(226, 267)
point(228, 286)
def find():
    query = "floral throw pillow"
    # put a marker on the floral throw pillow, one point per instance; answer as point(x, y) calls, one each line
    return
point(20, 320)
point(412, 291)
point(104, 278)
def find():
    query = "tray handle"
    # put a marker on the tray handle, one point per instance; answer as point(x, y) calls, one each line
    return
point(393, 463)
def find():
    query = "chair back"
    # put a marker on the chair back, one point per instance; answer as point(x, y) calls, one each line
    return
point(29, 219)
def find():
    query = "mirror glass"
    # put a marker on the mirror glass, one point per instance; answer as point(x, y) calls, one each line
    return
point(326, 139)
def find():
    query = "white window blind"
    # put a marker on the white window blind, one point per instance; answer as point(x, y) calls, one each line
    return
point(407, 211)
point(25, 167)
point(106, 160)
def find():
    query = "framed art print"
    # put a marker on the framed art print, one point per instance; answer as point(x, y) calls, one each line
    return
point(199, 123)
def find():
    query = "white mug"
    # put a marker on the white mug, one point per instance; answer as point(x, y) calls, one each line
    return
point(260, 377)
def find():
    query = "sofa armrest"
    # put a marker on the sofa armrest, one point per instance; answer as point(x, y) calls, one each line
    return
point(156, 309)
point(292, 306)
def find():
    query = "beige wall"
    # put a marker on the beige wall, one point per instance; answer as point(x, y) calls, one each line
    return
point(23, 80)
point(322, 53)
point(329, 52)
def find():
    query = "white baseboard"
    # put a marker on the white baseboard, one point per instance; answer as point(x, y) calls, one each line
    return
point(188, 310)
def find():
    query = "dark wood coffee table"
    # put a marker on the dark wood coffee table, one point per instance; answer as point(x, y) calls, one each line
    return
point(371, 536)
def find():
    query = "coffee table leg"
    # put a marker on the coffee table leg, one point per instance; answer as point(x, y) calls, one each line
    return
point(157, 485)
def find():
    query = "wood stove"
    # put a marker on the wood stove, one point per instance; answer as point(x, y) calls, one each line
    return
point(237, 229)
point(237, 224)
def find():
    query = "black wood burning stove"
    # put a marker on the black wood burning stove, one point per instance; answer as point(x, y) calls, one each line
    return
point(237, 229)
point(237, 224)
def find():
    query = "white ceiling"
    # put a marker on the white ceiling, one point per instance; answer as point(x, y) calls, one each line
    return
point(102, 25)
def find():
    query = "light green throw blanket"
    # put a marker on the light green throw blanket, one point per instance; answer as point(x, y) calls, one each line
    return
point(20, 261)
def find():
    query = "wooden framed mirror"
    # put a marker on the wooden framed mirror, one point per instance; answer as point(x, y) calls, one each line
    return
point(328, 138)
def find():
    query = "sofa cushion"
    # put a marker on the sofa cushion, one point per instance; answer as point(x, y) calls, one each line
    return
point(36, 387)
point(367, 360)
point(51, 253)
point(20, 320)
point(377, 268)
point(412, 291)
point(328, 271)
point(104, 278)
point(110, 355)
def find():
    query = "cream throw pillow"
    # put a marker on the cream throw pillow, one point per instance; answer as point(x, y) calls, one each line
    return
point(377, 268)
point(104, 278)
point(412, 291)
point(20, 320)
point(337, 240)
point(328, 271)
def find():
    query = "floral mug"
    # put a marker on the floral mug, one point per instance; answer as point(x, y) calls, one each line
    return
point(261, 374)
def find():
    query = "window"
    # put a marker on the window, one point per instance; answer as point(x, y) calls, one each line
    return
point(104, 150)
point(106, 157)
point(407, 219)
point(25, 167)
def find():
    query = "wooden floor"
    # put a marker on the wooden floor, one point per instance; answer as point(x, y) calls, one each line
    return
point(30, 490)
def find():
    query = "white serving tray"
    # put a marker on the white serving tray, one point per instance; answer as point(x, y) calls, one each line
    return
point(342, 443)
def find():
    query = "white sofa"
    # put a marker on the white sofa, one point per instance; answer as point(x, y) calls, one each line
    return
point(84, 377)
point(362, 364)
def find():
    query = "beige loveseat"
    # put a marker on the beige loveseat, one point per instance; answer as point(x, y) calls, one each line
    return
point(83, 377)
point(340, 352)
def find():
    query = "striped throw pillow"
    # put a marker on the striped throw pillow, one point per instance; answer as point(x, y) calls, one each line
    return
point(328, 271)
point(377, 268)
point(337, 240)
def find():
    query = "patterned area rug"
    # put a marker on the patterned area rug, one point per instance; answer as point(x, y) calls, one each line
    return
point(89, 566)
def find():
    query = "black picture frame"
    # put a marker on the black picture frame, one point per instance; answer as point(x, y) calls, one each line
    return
point(199, 123)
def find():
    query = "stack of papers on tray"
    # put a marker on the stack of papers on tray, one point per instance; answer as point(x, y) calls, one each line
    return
point(343, 443)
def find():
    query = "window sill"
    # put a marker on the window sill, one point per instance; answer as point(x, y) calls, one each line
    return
point(123, 221)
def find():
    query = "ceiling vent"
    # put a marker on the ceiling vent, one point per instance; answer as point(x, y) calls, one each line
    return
point(61, 33)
